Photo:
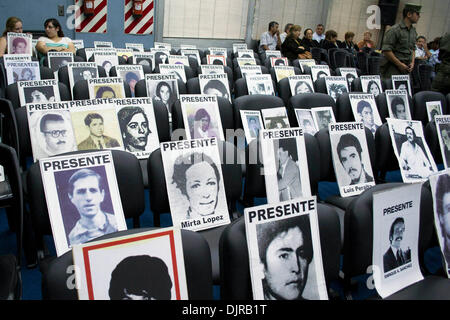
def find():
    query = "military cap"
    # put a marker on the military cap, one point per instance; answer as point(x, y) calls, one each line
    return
point(411, 7)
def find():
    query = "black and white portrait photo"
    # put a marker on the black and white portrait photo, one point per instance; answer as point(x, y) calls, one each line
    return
point(22, 71)
point(275, 118)
point(322, 117)
point(106, 59)
point(175, 69)
point(259, 84)
point(144, 58)
point(19, 43)
point(218, 60)
point(195, 185)
point(278, 61)
point(402, 82)
point(398, 104)
point(215, 84)
point(142, 266)
point(350, 75)
point(301, 84)
point(320, 71)
point(414, 157)
point(371, 84)
point(365, 110)
point(81, 71)
point(305, 121)
point(285, 259)
point(336, 86)
point(434, 108)
point(443, 131)
point(252, 124)
point(130, 74)
point(41, 91)
point(395, 256)
point(162, 88)
point(138, 128)
point(51, 132)
point(84, 202)
point(57, 60)
point(351, 159)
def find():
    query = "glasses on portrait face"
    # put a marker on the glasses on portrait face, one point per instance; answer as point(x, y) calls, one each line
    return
point(56, 133)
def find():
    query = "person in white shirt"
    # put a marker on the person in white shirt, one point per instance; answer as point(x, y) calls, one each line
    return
point(319, 34)
point(286, 32)
point(412, 158)
point(270, 40)
point(422, 52)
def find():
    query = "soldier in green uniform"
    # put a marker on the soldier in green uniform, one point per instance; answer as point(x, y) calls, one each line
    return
point(399, 44)
point(441, 82)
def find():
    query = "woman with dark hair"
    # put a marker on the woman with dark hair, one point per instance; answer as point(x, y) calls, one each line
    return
point(291, 47)
point(134, 127)
point(307, 41)
point(105, 92)
point(13, 24)
point(330, 40)
point(373, 88)
point(55, 40)
point(165, 94)
point(197, 177)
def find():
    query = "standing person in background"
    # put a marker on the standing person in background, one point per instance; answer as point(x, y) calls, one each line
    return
point(308, 42)
point(400, 43)
point(441, 82)
point(367, 41)
point(13, 24)
point(270, 40)
point(54, 41)
point(318, 35)
point(291, 47)
point(286, 32)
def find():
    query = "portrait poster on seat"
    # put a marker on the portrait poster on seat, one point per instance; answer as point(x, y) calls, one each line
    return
point(106, 88)
point(194, 182)
point(96, 125)
point(306, 121)
point(162, 45)
point(161, 56)
point(90, 52)
point(336, 86)
point(216, 51)
point(103, 44)
point(22, 71)
point(246, 62)
point(301, 84)
point(434, 108)
point(402, 82)
point(443, 132)
point(141, 266)
point(57, 60)
point(277, 242)
point(188, 47)
point(19, 43)
point(124, 53)
point(138, 126)
point(144, 58)
point(306, 62)
point(396, 221)
point(285, 164)
point(250, 69)
point(201, 116)
point(239, 46)
point(440, 189)
point(398, 104)
point(215, 84)
point(282, 72)
point(371, 84)
point(130, 74)
point(275, 118)
point(322, 117)
point(260, 84)
point(177, 59)
point(83, 198)
point(320, 71)
point(106, 59)
point(365, 110)
point(175, 69)
point(351, 158)
point(78, 43)
point(38, 91)
point(278, 61)
point(350, 74)
point(162, 87)
point(245, 53)
point(136, 47)
point(193, 53)
point(81, 71)
point(51, 131)
point(273, 53)
point(252, 124)
point(214, 59)
point(411, 149)
point(211, 69)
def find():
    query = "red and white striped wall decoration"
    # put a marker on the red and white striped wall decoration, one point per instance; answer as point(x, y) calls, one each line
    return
point(94, 23)
point(142, 24)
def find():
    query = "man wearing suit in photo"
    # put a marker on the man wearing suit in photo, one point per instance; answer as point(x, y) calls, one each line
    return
point(96, 139)
point(288, 172)
point(395, 256)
